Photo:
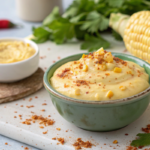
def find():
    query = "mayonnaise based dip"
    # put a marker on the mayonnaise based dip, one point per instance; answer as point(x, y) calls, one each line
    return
point(14, 51)
point(100, 76)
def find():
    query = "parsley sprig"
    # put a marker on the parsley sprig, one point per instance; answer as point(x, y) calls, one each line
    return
point(85, 20)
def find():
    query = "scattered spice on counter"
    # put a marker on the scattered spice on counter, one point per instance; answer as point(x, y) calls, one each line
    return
point(6, 143)
point(30, 99)
point(140, 147)
point(54, 61)
point(44, 104)
point(61, 140)
point(54, 138)
point(21, 105)
point(126, 134)
point(26, 122)
point(43, 110)
point(131, 148)
point(147, 129)
point(42, 57)
point(30, 106)
point(32, 112)
point(26, 148)
point(15, 111)
point(45, 132)
point(79, 144)
point(59, 57)
point(58, 129)
point(36, 97)
point(45, 121)
point(41, 127)
point(15, 117)
point(49, 116)
point(20, 115)
point(115, 142)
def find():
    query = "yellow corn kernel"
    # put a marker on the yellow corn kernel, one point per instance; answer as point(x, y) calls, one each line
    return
point(89, 56)
point(85, 68)
point(97, 96)
point(83, 56)
point(109, 94)
point(77, 92)
point(117, 70)
point(108, 57)
point(100, 51)
point(28, 44)
point(115, 142)
point(122, 88)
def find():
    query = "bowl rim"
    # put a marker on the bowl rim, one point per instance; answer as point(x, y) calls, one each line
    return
point(33, 44)
point(64, 97)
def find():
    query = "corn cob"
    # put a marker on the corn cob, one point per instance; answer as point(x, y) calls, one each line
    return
point(135, 31)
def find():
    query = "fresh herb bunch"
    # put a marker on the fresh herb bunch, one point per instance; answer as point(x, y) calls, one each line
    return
point(85, 20)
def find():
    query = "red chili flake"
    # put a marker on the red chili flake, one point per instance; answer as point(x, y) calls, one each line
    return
point(30, 99)
point(63, 74)
point(147, 129)
point(36, 97)
point(87, 92)
point(58, 57)
point(21, 105)
point(43, 110)
point(6, 143)
point(45, 132)
point(54, 61)
point(126, 134)
point(140, 147)
point(44, 104)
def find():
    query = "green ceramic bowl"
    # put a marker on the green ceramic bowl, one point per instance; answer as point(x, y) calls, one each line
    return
point(99, 115)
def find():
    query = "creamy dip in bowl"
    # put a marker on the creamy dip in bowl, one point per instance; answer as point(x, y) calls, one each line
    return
point(100, 76)
point(99, 115)
point(19, 58)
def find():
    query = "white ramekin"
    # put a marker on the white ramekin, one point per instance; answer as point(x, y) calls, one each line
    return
point(19, 70)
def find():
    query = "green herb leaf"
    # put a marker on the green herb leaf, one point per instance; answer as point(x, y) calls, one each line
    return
point(52, 16)
point(116, 35)
point(115, 3)
point(78, 7)
point(62, 30)
point(40, 40)
point(41, 34)
point(93, 43)
point(144, 140)
point(95, 22)
point(80, 34)
point(77, 18)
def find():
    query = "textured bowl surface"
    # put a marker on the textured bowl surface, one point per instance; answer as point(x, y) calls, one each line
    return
point(99, 115)
point(19, 70)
